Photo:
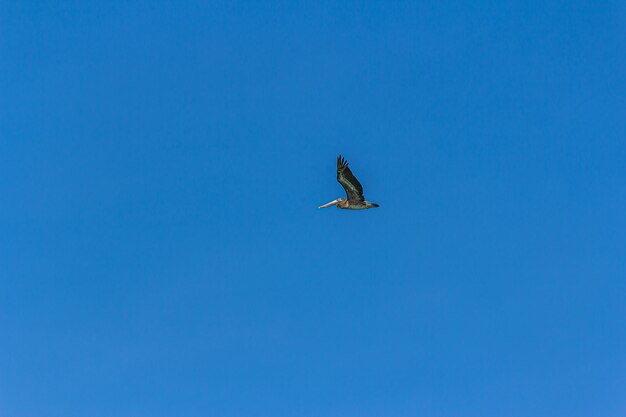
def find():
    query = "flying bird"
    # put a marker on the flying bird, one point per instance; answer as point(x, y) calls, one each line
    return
point(354, 190)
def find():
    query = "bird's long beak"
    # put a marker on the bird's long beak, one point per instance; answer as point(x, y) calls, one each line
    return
point(332, 203)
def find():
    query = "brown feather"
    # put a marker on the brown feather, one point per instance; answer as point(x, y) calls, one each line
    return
point(348, 181)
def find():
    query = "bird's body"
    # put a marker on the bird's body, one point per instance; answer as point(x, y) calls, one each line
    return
point(354, 190)
point(344, 203)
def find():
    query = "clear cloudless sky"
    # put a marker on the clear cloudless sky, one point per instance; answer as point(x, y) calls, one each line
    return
point(161, 249)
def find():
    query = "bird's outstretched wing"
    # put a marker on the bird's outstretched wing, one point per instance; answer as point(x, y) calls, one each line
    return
point(348, 181)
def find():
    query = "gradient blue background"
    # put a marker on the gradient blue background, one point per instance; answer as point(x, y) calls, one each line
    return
point(161, 250)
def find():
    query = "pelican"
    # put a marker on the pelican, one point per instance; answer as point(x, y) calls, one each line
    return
point(354, 190)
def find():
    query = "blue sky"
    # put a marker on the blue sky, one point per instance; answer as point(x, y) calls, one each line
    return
point(161, 250)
